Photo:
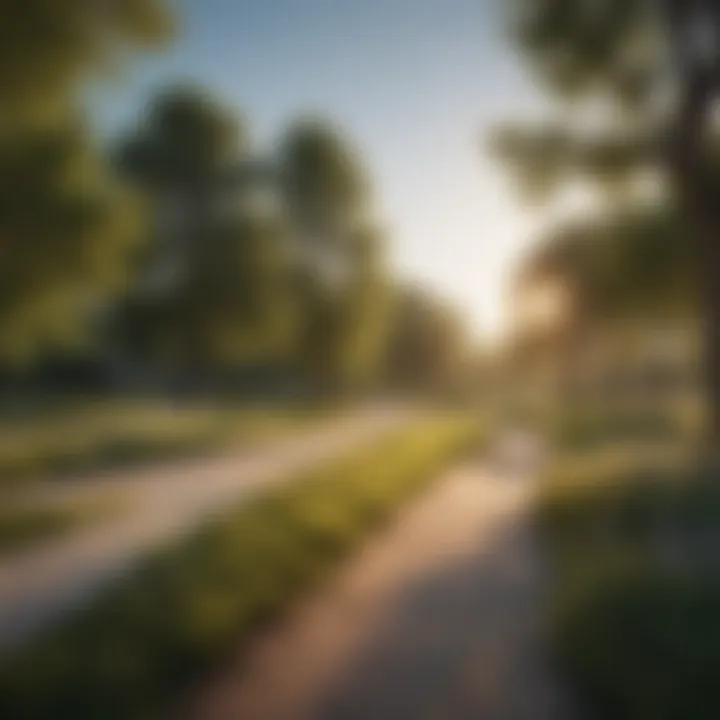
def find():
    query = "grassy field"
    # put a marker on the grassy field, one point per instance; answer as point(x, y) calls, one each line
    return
point(148, 638)
point(23, 527)
point(109, 433)
point(592, 427)
point(632, 533)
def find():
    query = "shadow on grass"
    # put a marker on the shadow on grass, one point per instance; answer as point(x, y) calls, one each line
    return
point(636, 590)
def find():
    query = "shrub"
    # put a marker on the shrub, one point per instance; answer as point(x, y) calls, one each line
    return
point(634, 603)
point(588, 429)
point(641, 642)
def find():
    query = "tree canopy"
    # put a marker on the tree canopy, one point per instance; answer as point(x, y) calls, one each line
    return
point(67, 228)
point(211, 284)
point(49, 49)
point(615, 56)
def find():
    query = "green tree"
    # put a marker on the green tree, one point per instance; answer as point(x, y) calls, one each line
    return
point(622, 55)
point(66, 227)
point(213, 285)
point(613, 272)
point(338, 256)
point(365, 311)
point(49, 49)
point(428, 347)
point(66, 231)
point(325, 187)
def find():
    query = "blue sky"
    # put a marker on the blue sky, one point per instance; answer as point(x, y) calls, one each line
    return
point(415, 83)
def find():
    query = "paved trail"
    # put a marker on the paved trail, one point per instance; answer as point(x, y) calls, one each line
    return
point(436, 620)
point(40, 585)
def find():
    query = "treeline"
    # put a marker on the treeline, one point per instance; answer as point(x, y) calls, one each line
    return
point(184, 257)
point(250, 260)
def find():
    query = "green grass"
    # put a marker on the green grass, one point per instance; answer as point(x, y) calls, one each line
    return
point(180, 613)
point(595, 427)
point(107, 434)
point(633, 539)
point(21, 527)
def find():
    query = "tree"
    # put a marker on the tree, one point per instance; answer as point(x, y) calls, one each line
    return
point(66, 227)
point(617, 266)
point(325, 187)
point(337, 252)
point(365, 309)
point(233, 306)
point(614, 271)
point(49, 49)
point(622, 54)
point(428, 344)
point(213, 287)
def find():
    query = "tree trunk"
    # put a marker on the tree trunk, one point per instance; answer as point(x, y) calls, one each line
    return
point(695, 182)
point(711, 330)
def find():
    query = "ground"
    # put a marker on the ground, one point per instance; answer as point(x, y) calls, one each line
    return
point(40, 585)
point(439, 619)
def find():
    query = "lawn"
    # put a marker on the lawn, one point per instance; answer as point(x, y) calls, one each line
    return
point(22, 527)
point(178, 616)
point(109, 433)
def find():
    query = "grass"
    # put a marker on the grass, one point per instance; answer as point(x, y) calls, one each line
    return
point(188, 606)
point(593, 428)
point(113, 433)
point(633, 538)
point(21, 527)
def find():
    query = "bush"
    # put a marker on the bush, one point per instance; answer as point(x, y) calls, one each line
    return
point(634, 609)
point(642, 643)
point(627, 507)
point(589, 429)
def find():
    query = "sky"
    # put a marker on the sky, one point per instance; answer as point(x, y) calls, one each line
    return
point(416, 84)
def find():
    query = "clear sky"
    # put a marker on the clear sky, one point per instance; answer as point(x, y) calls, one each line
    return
point(415, 83)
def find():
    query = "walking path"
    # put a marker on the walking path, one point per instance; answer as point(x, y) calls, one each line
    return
point(438, 619)
point(40, 585)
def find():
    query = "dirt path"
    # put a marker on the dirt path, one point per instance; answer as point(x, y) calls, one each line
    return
point(437, 620)
point(40, 585)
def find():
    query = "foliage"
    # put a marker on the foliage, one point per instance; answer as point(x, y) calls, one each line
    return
point(324, 184)
point(643, 643)
point(49, 49)
point(633, 262)
point(212, 286)
point(575, 430)
point(67, 230)
point(427, 349)
point(636, 82)
point(609, 55)
point(631, 541)
point(209, 256)
point(185, 140)
point(254, 259)
point(611, 47)
point(343, 288)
